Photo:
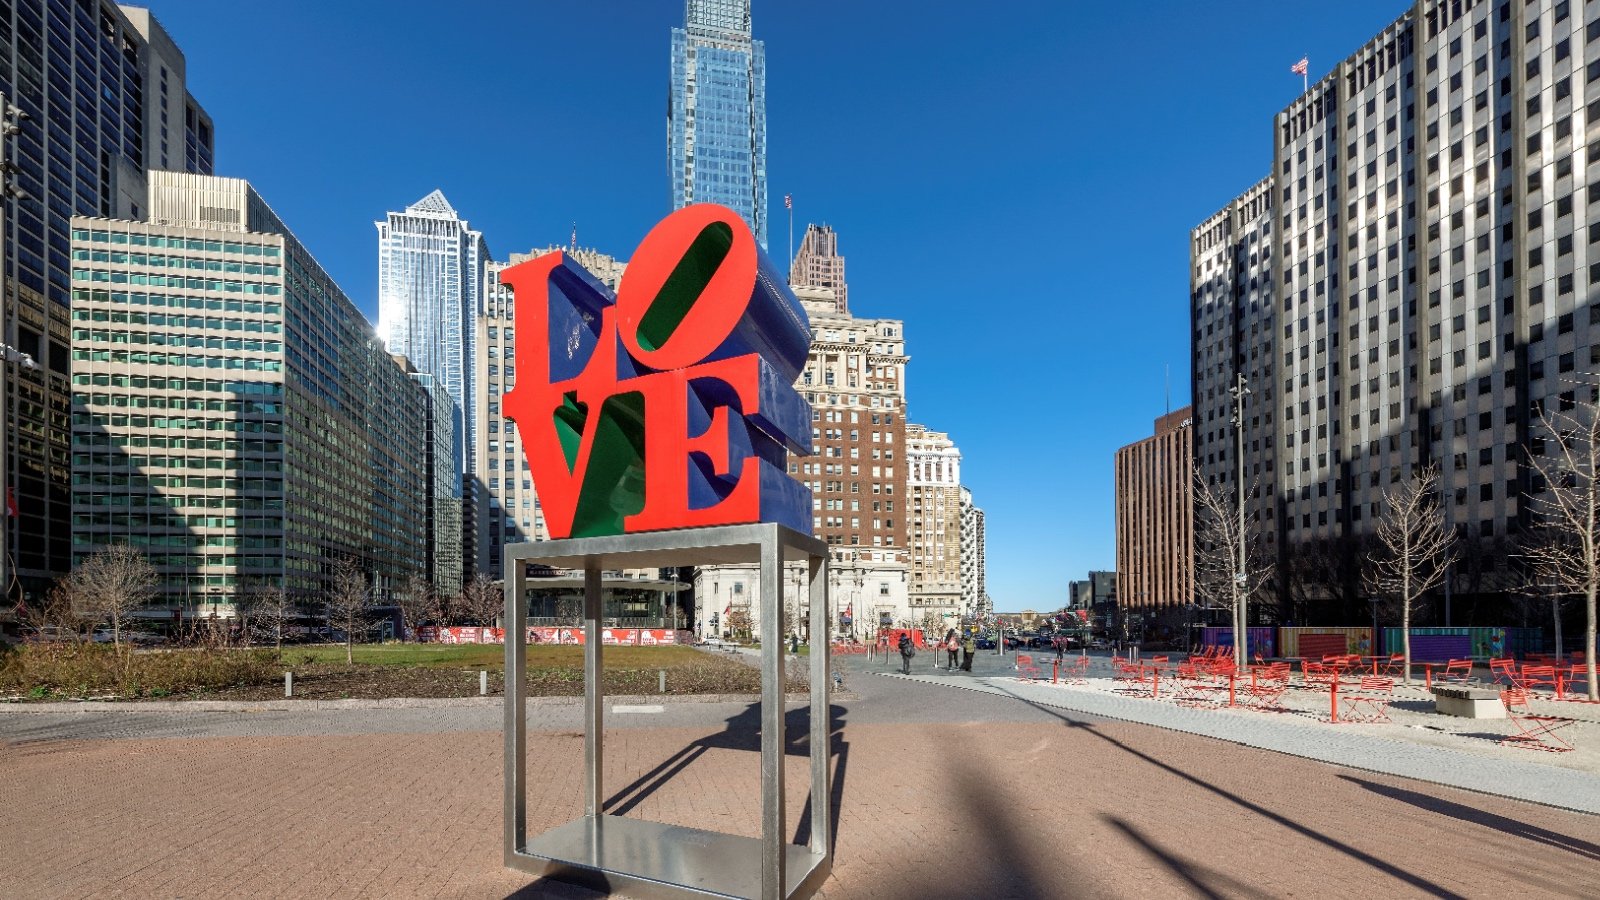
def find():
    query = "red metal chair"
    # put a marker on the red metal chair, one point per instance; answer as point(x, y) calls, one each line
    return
point(1078, 672)
point(1027, 668)
point(1395, 667)
point(1506, 668)
point(1316, 676)
point(1458, 671)
point(1536, 677)
point(1533, 732)
point(1265, 689)
point(1370, 701)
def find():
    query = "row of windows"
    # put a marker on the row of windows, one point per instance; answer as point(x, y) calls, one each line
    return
point(124, 461)
point(271, 484)
point(171, 301)
point(141, 358)
point(195, 385)
point(175, 243)
point(194, 284)
point(157, 339)
point(162, 261)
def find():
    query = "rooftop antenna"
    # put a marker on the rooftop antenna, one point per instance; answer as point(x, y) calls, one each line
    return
point(574, 237)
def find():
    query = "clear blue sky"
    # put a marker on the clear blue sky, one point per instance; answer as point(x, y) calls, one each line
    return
point(1015, 180)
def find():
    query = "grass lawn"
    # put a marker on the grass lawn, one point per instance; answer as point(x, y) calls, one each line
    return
point(492, 656)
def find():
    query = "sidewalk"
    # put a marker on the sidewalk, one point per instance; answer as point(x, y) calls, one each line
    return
point(1490, 770)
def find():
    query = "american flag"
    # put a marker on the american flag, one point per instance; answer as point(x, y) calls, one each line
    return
point(11, 503)
point(788, 201)
point(1301, 67)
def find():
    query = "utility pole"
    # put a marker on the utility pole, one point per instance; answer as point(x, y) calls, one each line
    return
point(10, 124)
point(1241, 650)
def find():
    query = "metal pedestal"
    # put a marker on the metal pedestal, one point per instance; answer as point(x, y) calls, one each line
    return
point(648, 859)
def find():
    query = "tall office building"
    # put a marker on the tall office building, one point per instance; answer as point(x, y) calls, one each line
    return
point(933, 488)
point(103, 87)
point(431, 284)
point(1155, 516)
point(234, 416)
point(717, 112)
point(1424, 288)
point(818, 264)
point(430, 294)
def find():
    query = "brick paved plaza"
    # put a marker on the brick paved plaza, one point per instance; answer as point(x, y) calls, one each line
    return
point(944, 793)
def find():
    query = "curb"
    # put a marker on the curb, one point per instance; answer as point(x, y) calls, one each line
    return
point(288, 705)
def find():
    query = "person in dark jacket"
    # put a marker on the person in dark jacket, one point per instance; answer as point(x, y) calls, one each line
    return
point(968, 648)
point(907, 650)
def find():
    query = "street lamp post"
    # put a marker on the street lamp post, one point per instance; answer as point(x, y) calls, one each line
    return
point(1375, 642)
point(1241, 622)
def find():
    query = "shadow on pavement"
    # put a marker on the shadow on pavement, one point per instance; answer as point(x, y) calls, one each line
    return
point(1361, 856)
point(1199, 877)
point(742, 732)
point(1488, 820)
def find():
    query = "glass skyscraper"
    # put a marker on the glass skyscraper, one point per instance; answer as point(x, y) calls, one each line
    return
point(717, 112)
point(430, 295)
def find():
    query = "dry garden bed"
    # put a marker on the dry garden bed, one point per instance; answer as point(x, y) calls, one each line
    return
point(68, 671)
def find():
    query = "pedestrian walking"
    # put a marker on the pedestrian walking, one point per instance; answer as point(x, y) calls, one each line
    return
point(1061, 648)
point(907, 650)
point(952, 648)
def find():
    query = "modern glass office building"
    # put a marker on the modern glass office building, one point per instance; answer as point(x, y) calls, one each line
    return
point(103, 88)
point(233, 414)
point(430, 295)
point(717, 112)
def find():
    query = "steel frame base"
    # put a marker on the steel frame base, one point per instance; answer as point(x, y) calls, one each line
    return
point(649, 859)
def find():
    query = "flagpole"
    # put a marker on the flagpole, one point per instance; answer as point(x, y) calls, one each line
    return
point(790, 204)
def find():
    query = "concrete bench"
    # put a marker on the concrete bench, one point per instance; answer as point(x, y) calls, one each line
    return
point(1467, 702)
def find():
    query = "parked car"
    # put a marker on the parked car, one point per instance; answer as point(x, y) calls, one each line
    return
point(986, 643)
point(1099, 644)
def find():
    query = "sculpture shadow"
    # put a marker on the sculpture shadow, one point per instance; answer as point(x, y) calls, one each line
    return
point(1355, 854)
point(741, 732)
point(1492, 821)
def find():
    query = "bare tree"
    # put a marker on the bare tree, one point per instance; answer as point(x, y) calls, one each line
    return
point(1414, 549)
point(1565, 552)
point(349, 602)
point(417, 601)
point(933, 626)
point(111, 585)
point(56, 611)
point(481, 601)
point(268, 608)
point(1231, 561)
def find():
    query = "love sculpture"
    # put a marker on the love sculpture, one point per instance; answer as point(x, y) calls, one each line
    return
point(672, 404)
point(657, 424)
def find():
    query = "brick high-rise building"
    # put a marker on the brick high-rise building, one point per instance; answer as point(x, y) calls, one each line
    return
point(1411, 285)
point(1154, 516)
point(818, 264)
